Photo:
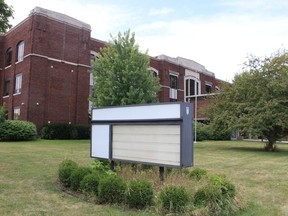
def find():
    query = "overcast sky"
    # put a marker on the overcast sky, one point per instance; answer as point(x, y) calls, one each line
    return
point(218, 34)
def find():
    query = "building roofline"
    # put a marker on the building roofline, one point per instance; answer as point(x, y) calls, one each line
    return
point(98, 40)
point(186, 63)
point(60, 17)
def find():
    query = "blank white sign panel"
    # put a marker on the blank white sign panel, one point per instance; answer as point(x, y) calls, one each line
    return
point(159, 144)
point(172, 111)
point(100, 141)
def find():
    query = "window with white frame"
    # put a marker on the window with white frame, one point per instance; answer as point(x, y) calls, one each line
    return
point(173, 87)
point(16, 115)
point(192, 87)
point(20, 51)
point(208, 87)
point(173, 81)
point(18, 83)
point(153, 71)
point(93, 57)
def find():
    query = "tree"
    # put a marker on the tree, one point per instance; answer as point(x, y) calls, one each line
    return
point(2, 114)
point(257, 100)
point(121, 76)
point(6, 12)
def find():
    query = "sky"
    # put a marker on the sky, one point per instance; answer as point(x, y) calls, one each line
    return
point(219, 34)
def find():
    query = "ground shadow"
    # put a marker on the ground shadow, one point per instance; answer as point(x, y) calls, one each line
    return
point(280, 151)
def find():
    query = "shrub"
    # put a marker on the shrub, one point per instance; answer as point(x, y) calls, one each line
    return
point(2, 114)
point(16, 130)
point(203, 131)
point(198, 173)
point(58, 131)
point(100, 165)
point(217, 196)
point(77, 176)
point(111, 189)
point(212, 131)
point(174, 199)
point(65, 170)
point(221, 182)
point(83, 132)
point(90, 182)
point(140, 194)
point(65, 131)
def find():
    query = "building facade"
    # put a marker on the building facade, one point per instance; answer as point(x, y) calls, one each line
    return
point(45, 71)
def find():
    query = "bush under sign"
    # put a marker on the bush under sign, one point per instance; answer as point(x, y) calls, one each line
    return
point(157, 134)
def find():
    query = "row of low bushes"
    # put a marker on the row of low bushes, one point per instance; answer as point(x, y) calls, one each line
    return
point(215, 196)
point(211, 132)
point(16, 130)
point(63, 131)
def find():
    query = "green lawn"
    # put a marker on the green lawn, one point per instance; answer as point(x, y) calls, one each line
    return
point(28, 172)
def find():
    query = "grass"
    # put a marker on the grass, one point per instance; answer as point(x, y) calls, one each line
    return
point(28, 172)
point(261, 177)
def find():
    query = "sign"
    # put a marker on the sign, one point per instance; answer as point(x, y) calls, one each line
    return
point(157, 134)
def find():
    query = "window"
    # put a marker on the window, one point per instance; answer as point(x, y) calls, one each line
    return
point(208, 87)
point(173, 81)
point(20, 51)
point(6, 87)
point(8, 57)
point(93, 57)
point(18, 83)
point(153, 71)
point(173, 88)
point(16, 115)
point(192, 87)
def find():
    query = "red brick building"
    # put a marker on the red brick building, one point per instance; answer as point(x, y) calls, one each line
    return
point(45, 71)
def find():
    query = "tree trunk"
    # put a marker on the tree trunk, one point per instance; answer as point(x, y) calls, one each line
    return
point(270, 145)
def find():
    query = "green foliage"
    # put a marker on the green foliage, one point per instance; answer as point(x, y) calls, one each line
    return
point(198, 173)
point(121, 76)
point(83, 132)
point(218, 196)
point(2, 114)
point(16, 130)
point(212, 131)
point(256, 102)
point(65, 131)
point(100, 165)
point(140, 194)
point(65, 170)
point(90, 182)
point(77, 176)
point(203, 131)
point(174, 199)
point(111, 189)
point(6, 12)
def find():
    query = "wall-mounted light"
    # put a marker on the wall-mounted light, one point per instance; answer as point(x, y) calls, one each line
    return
point(37, 104)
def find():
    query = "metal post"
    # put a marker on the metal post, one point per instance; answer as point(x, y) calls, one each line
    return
point(195, 107)
point(161, 174)
point(112, 165)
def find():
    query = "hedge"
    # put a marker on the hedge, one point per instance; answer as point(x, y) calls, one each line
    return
point(16, 130)
point(65, 131)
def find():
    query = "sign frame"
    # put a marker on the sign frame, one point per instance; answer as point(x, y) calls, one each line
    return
point(160, 114)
